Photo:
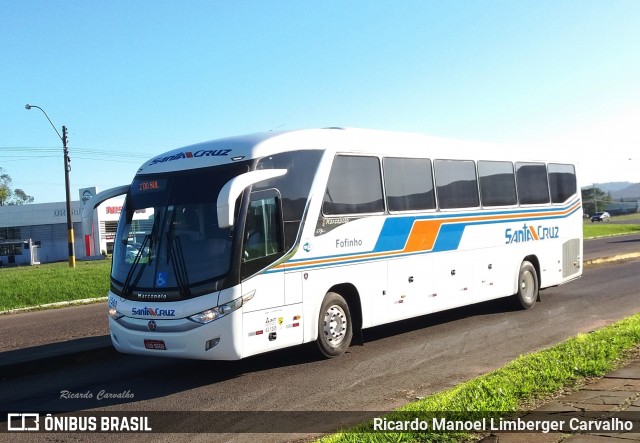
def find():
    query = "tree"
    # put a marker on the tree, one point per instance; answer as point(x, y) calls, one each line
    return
point(19, 196)
point(594, 199)
point(5, 187)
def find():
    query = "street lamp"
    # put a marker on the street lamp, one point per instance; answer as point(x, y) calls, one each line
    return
point(67, 168)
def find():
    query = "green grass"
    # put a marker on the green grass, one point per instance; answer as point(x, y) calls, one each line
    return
point(27, 286)
point(525, 381)
point(634, 216)
point(593, 230)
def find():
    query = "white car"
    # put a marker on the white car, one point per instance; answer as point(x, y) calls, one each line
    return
point(600, 216)
point(132, 251)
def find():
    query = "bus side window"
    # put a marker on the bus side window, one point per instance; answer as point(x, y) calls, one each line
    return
point(562, 182)
point(262, 240)
point(354, 186)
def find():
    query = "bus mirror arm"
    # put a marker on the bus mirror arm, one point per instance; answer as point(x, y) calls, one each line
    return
point(91, 204)
point(233, 188)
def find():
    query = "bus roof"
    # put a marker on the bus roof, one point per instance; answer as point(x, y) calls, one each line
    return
point(244, 147)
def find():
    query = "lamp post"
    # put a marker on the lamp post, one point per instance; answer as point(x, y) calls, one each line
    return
point(67, 168)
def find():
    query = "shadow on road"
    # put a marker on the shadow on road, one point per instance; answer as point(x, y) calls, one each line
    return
point(632, 240)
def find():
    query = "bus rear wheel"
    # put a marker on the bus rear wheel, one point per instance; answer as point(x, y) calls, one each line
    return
point(528, 289)
point(335, 328)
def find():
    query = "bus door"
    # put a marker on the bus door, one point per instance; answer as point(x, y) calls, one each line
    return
point(265, 315)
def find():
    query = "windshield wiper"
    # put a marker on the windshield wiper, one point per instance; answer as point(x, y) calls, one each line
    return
point(178, 264)
point(134, 265)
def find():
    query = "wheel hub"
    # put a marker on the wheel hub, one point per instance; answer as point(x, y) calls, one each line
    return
point(527, 285)
point(335, 325)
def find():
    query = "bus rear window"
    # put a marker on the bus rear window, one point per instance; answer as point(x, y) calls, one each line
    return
point(562, 182)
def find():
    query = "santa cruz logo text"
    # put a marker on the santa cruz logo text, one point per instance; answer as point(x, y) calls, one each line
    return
point(154, 312)
point(189, 154)
point(529, 233)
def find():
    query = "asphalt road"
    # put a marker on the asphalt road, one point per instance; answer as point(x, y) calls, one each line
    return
point(76, 323)
point(608, 246)
point(398, 363)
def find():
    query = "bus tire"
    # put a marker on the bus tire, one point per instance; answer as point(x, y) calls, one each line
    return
point(528, 289)
point(335, 328)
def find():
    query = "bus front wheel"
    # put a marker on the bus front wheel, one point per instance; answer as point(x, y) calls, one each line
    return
point(335, 328)
point(528, 289)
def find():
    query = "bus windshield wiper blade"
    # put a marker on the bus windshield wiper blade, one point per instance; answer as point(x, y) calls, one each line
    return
point(178, 264)
point(134, 265)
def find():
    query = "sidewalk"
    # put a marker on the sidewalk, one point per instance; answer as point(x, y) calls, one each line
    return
point(616, 395)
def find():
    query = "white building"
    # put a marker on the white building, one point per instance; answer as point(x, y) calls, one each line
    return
point(37, 233)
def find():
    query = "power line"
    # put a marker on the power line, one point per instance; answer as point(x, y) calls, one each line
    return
point(19, 158)
point(77, 157)
point(29, 153)
point(100, 152)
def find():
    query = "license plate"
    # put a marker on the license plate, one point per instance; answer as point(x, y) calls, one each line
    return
point(155, 344)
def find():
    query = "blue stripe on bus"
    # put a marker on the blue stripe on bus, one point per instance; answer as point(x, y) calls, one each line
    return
point(396, 230)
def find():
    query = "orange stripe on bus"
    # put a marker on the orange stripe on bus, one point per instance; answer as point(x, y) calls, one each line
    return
point(423, 235)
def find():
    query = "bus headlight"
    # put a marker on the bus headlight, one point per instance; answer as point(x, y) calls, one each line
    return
point(114, 313)
point(212, 314)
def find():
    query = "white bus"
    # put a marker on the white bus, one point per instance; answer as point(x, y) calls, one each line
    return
point(254, 243)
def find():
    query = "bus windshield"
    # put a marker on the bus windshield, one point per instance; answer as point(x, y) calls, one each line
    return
point(168, 245)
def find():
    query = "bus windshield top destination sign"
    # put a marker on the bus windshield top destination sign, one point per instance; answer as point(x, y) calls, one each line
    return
point(151, 185)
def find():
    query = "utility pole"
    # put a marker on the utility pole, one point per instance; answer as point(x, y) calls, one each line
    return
point(67, 169)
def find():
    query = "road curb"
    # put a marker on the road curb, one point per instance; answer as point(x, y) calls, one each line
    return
point(614, 258)
point(56, 305)
point(21, 362)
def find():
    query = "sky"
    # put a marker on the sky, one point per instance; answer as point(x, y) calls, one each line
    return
point(131, 80)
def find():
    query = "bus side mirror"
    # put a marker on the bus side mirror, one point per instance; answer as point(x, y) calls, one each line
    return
point(87, 212)
point(234, 187)
point(90, 205)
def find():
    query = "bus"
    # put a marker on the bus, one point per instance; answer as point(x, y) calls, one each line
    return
point(253, 243)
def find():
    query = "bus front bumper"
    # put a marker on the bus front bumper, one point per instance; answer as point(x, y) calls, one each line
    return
point(217, 340)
